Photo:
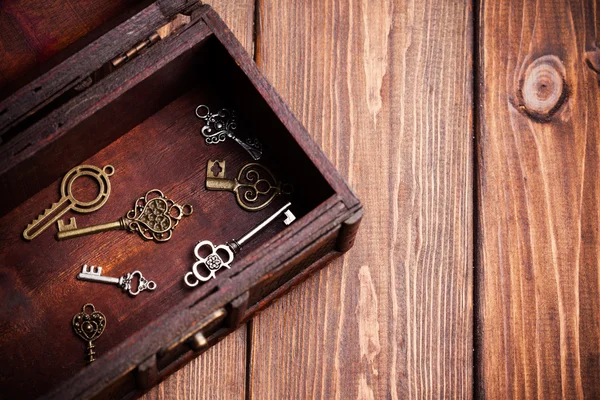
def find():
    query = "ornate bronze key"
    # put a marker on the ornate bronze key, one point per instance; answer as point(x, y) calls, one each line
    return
point(89, 327)
point(68, 202)
point(220, 126)
point(255, 186)
point(214, 261)
point(154, 217)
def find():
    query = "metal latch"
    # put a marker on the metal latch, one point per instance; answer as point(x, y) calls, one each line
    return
point(161, 33)
point(195, 337)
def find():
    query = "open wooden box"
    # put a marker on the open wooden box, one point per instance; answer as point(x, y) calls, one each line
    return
point(137, 113)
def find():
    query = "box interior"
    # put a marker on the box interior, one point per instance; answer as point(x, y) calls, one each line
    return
point(151, 136)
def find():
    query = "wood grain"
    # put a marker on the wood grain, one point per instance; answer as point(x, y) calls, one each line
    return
point(220, 373)
point(34, 31)
point(538, 192)
point(385, 89)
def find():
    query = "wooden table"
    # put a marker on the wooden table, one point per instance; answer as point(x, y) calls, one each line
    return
point(470, 133)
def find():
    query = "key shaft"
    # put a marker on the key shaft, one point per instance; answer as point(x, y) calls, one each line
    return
point(236, 244)
point(89, 230)
point(98, 278)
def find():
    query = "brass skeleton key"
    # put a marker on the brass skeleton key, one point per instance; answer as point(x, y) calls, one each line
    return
point(154, 217)
point(68, 202)
point(255, 186)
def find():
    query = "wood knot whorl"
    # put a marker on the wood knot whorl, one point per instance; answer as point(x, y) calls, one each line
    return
point(543, 88)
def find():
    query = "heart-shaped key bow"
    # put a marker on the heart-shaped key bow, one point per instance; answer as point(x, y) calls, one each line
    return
point(89, 327)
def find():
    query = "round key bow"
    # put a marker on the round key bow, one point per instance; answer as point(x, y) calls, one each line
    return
point(213, 262)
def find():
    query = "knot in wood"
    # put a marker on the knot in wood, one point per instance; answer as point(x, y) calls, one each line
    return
point(543, 88)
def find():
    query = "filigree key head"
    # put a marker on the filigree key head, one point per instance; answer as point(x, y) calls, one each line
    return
point(154, 216)
point(213, 262)
point(222, 125)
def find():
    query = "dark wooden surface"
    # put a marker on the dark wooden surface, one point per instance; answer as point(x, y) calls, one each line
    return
point(386, 90)
point(537, 256)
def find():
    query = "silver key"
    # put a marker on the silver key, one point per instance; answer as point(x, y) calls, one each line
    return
point(221, 125)
point(94, 274)
point(213, 262)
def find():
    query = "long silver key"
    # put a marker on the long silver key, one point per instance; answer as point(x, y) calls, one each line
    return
point(213, 262)
point(68, 202)
point(94, 274)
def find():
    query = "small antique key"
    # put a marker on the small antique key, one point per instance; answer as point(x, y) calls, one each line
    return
point(255, 186)
point(213, 262)
point(94, 274)
point(220, 126)
point(69, 202)
point(154, 217)
point(89, 327)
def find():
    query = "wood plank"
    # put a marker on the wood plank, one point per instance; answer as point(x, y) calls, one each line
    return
point(385, 89)
point(538, 191)
point(220, 373)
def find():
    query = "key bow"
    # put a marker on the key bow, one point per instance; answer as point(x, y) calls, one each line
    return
point(221, 125)
point(213, 262)
point(143, 283)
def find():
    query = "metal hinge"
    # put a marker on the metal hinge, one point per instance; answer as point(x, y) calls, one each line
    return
point(161, 33)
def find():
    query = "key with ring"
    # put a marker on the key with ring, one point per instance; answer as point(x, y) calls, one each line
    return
point(94, 274)
point(255, 186)
point(154, 217)
point(69, 202)
point(221, 125)
point(213, 262)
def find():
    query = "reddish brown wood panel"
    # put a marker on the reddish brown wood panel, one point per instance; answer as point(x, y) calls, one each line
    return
point(385, 89)
point(539, 195)
point(33, 31)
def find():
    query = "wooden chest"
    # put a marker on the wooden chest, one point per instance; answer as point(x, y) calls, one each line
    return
point(127, 98)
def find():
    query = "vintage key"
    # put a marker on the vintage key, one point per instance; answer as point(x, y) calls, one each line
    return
point(255, 186)
point(213, 262)
point(94, 274)
point(220, 126)
point(68, 202)
point(154, 217)
point(89, 327)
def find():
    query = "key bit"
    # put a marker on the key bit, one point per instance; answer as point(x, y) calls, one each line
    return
point(67, 227)
point(255, 186)
point(154, 217)
point(214, 261)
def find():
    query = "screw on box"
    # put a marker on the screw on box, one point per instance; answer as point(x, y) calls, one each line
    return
point(213, 262)
point(255, 186)
point(221, 125)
